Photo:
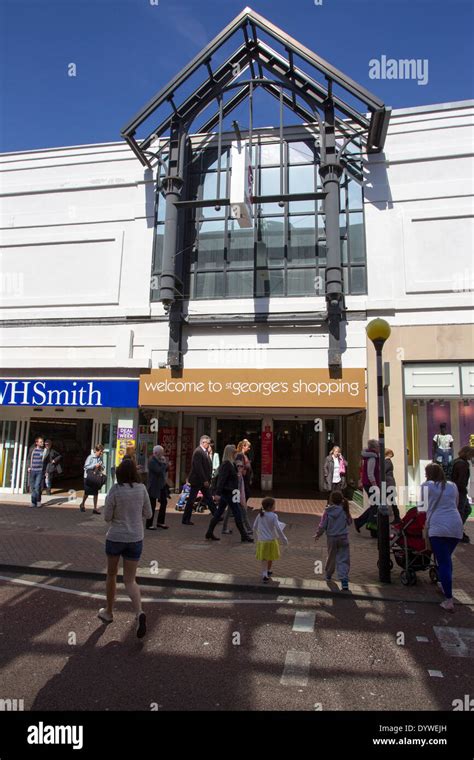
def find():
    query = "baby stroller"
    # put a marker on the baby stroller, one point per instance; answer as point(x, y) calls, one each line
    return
point(408, 548)
point(198, 506)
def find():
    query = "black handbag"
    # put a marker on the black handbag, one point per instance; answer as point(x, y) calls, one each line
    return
point(95, 480)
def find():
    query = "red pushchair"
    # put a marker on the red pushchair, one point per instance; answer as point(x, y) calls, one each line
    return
point(409, 550)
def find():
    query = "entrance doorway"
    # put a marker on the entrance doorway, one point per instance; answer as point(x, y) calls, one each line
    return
point(233, 431)
point(72, 439)
point(295, 458)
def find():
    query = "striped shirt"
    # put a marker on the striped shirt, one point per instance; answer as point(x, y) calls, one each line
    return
point(37, 459)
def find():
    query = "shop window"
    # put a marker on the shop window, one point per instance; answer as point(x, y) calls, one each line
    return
point(7, 450)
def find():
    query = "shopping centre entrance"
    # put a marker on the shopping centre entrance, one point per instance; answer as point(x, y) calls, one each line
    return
point(296, 458)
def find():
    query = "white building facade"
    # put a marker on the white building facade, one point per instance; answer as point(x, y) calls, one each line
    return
point(80, 238)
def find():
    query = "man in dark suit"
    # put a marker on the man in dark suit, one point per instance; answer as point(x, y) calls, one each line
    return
point(199, 479)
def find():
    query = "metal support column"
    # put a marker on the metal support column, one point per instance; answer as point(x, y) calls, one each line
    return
point(171, 284)
point(330, 172)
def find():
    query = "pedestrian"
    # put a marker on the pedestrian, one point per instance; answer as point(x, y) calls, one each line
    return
point(269, 532)
point(335, 523)
point(391, 486)
point(51, 461)
point(239, 462)
point(460, 474)
point(335, 468)
point(157, 487)
point(215, 459)
point(243, 448)
point(94, 477)
point(126, 506)
point(370, 482)
point(443, 526)
point(228, 492)
point(36, 467)
point(199, 479)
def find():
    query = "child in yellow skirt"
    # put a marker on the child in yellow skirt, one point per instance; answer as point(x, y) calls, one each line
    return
point(268, 530)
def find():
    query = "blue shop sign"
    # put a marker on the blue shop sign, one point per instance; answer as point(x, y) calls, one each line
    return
point(78, 393)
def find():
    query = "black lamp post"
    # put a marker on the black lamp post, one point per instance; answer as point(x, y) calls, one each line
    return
point(378, 331)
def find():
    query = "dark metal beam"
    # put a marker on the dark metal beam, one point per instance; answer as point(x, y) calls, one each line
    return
point(370, 100)
point(186, 72)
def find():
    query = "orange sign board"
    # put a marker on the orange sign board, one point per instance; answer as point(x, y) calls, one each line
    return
point(259, 388)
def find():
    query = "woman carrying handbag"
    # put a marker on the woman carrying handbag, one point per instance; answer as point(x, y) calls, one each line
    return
point(443, 528)
point(94, 477)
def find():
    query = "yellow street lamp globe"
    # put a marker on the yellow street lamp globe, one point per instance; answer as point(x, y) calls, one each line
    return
point(378, 329)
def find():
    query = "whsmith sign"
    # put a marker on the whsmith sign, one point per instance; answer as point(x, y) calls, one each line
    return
point(78, 393)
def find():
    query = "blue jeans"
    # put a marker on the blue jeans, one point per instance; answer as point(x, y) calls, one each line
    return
point(443, 549)
point(36, 483)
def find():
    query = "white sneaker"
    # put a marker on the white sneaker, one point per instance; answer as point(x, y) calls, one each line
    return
point(448, 605)
point(104, 615)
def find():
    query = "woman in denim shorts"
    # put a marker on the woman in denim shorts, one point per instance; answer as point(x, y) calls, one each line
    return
point(126, 506)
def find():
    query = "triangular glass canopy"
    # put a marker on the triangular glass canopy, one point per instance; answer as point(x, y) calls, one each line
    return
point(268, 58)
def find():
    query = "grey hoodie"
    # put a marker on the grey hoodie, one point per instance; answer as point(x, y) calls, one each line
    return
point(334, 521)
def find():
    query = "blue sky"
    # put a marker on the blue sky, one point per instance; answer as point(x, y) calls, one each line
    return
point(126, 50)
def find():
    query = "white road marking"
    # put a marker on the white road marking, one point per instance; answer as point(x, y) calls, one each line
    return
point(435, 674)
point(410, 612)
point(304, 621)
point(295, 672)
point(148, 600)
point(422, 638)
point(457, 642)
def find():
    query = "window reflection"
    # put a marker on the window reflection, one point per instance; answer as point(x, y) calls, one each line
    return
point(286, 248)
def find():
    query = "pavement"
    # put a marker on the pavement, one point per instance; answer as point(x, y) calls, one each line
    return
point(60, 540)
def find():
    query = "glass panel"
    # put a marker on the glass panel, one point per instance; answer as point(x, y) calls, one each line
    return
point(302, 240)
point(356, 237)
point(345, 279)
point(240, 251)
point(160, 214)
point(209, 285)
point(301, 282)
point(271, 247)
point(270, 154)
point(210, 254)
point(301, 180)
point(213, 164)
point(322, 252)
point(158, 255)
point(7, 448)
point(209, 192)
point(342, 225)
point(344, 254)
point(270, 282)
point(240, 284)
point(270, 185)
point(342, 198)
point(355, 195)
point(300, 153)
point(358, 281)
